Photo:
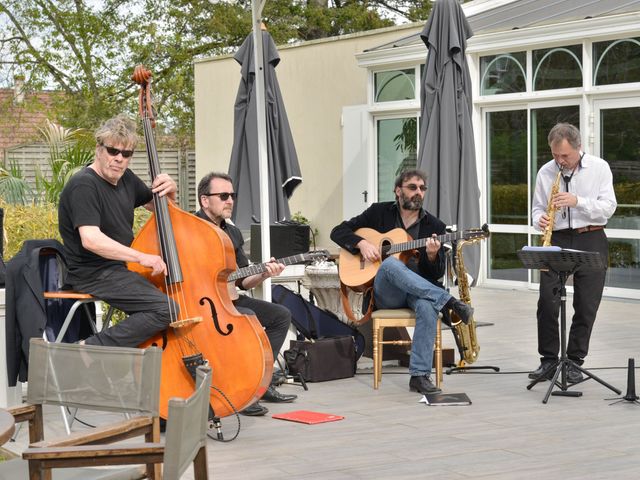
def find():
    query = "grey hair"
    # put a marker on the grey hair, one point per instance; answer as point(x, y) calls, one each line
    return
point(565, 131)
point(119, 129)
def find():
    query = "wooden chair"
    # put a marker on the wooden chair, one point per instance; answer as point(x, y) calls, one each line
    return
point(105, 379)
point(185, 442)
point(401, 317)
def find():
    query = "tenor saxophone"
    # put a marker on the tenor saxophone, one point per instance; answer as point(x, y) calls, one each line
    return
point(465, 335)
point(551, 212)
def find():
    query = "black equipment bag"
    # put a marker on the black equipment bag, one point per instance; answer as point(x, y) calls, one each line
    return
point(313, 322)
point(322, 359)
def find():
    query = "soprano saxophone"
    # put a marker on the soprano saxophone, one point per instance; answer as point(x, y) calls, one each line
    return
point(465, 335)
point(551, 212)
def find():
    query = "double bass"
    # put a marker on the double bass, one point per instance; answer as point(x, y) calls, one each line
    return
point(207, 328)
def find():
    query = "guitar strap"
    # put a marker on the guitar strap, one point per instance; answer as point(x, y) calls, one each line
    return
point(346, 305)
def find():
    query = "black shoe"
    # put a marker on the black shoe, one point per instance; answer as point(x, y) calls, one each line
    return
point(422, 384)
point(573, 374)
point(537, 373)
point(255, 410)
point(463, 310)
point(274, 396)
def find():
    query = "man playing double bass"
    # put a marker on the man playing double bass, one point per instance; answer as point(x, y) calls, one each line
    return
point(216, 196)
point(95, 218)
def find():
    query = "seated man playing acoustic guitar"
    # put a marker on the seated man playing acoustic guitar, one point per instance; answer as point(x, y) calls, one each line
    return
point(216, 196)
point(415, 284)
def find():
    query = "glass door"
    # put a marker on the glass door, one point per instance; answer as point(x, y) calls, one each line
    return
point(617, 140)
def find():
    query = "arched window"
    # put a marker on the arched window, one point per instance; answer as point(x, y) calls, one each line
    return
point(504, 73)
point(555, 68)
point(395, 85)
point(616, 61)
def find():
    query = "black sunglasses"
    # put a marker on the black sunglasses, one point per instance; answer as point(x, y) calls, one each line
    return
point(114, 152)
point(224, 196)
point(413, 187)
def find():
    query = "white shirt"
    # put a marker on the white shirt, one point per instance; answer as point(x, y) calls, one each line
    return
point(592, 184)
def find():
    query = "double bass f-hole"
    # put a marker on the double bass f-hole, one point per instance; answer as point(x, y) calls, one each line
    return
point(214, 317)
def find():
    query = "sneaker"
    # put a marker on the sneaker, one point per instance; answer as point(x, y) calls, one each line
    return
point(422, 384)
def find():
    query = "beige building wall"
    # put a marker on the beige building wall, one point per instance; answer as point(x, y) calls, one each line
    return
point(317, 80)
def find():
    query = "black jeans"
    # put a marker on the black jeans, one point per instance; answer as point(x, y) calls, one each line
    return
point(274, 318)
point(149, 310)
point(587, 293)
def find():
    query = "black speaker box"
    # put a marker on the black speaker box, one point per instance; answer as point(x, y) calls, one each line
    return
point(286, 240)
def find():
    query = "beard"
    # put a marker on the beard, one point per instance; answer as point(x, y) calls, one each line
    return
point(411, 203)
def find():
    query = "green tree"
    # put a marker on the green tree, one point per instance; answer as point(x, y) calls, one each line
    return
point(88, 48)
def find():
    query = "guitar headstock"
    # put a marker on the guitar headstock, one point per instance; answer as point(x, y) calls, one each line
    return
point(477, 233)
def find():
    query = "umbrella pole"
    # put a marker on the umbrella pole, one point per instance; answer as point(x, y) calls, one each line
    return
point(265, 221)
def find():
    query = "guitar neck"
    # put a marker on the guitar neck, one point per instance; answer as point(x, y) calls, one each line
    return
point(421, 242)
point(262, 267)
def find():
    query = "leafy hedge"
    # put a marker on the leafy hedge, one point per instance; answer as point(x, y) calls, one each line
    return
point(40, 221)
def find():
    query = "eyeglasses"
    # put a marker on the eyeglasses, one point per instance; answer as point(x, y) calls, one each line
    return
point(224, 196)
point(413, 187)
point(114, 152)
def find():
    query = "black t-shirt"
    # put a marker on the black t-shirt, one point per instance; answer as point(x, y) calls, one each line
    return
point(89, 200)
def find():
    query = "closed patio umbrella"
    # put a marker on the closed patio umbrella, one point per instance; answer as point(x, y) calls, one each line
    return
point(282, 166)
point(446, 150)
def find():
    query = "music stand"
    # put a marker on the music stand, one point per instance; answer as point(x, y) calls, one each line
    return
point(563, 262)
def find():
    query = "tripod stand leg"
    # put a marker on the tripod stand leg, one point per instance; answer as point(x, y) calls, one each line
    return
point(553, 382)
point(596, 378)
point(471, 367)
point(563, 384)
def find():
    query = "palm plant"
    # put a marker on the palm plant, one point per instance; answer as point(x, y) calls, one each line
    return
point(14, 188)
point(69, 151)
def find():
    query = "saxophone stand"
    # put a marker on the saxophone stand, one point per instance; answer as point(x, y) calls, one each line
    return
point(461, 367)
point(563, 263)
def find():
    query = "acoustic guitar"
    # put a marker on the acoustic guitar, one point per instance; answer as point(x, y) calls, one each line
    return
point(356, 272)
point(257, 268)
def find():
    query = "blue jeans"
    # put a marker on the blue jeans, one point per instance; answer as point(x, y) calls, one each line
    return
point(396, 286)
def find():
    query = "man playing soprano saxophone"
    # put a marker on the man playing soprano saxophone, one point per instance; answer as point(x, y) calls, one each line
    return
point(583, 204)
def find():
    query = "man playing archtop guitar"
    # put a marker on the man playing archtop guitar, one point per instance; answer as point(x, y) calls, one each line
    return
point(413, 284)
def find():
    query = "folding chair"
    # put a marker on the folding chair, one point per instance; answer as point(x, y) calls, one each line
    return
point(104, 379)
point(185, 442)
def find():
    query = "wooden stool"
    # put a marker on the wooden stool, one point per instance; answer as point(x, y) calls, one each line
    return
point(81, 299)
point(401, 317)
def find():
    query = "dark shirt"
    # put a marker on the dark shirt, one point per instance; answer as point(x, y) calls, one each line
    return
point(89, 200)
point(236, 238)
point(382, 217)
